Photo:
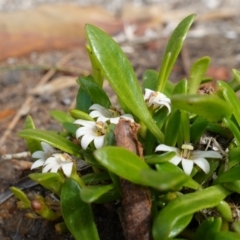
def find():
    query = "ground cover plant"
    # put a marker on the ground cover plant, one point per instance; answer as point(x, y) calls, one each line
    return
point(168, 152)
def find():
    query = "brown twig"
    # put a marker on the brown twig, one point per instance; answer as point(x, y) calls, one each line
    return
point(136, 202)
point(25, 108)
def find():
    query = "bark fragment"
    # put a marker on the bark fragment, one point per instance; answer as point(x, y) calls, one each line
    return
point(136, 202)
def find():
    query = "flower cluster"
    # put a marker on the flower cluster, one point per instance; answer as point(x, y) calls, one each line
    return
point(51, 160)
point(188, 157)
point(95, 131)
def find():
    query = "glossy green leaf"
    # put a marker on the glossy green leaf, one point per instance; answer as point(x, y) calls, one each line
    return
point(95, 193)
point(61, 116)
point(185, 205)
point(121, 162)
point(71, 128)
point(77, 114)
point(109, 138)
point(206, 106)
point(233, 157)
point(172, 128)
point(96, 71)
point(197, 73)
point(234, 129)
point(231, 98)
point(197, 129)
point(94, 91)
point(119, 72)
point(83, 101)
point(164, 181)
point(169, 168)
point(53, 139)
point(25, 202)
point(235, 82)
point(225, 211)
point(230, 175)
point(51, 181)
point(77, 214)
point(173, 49)
point(33, 145)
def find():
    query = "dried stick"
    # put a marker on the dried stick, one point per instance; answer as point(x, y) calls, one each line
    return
point(25, 108)
point(136, 202)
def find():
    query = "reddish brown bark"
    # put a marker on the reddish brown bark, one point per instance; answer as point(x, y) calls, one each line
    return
point(136, 202)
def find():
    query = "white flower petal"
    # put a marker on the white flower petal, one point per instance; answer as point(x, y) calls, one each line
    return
point(37, 163)
point(67, 168)
point(96, 107)
point(46, 168)
point(165, 148)
point(86, 139)
point(83, 130)
point(39, 154)
point(176, 160)
point(55, 168)
point(203, 164)
point(147, 93)
point(99, 141)
point(85, 123)
point(103, 119)
point(51, 160)
point(205, 154)
point(47, 148)
point(187, 166)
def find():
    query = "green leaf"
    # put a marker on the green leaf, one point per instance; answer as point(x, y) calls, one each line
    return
point(83, 101)
point(77, 214)
point(150, 78)
point(96, 193)
point(173, 49)
point(61, 116)
point(51, 181)
point(96, 71)
point(33, 145)
point(235, 82)
point(164, 181)
point(227, 236)
point(26, 203)
point(165, 157)
point(172, 128)
point(233, 157)
point(119, 72)
point(231, 98)
point(165, 223)
point(234, 129)
point(207, 228)
point(197, 73)
point(181, 87)
point(94, 91)
point(206, 106)
point(77, 114)
point(121, 162)
point(96, 177)
point(197, 129)
point(51, 138)
point(230, 175)
point(233, 186)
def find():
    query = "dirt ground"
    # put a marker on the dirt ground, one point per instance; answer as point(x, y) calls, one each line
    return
point(22, 80)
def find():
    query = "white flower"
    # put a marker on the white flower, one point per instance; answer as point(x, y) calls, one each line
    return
point(156, 99)
point(103, 114)
point(42, 156)
point(57, 161)
point(91, 131)
point(188, 157)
